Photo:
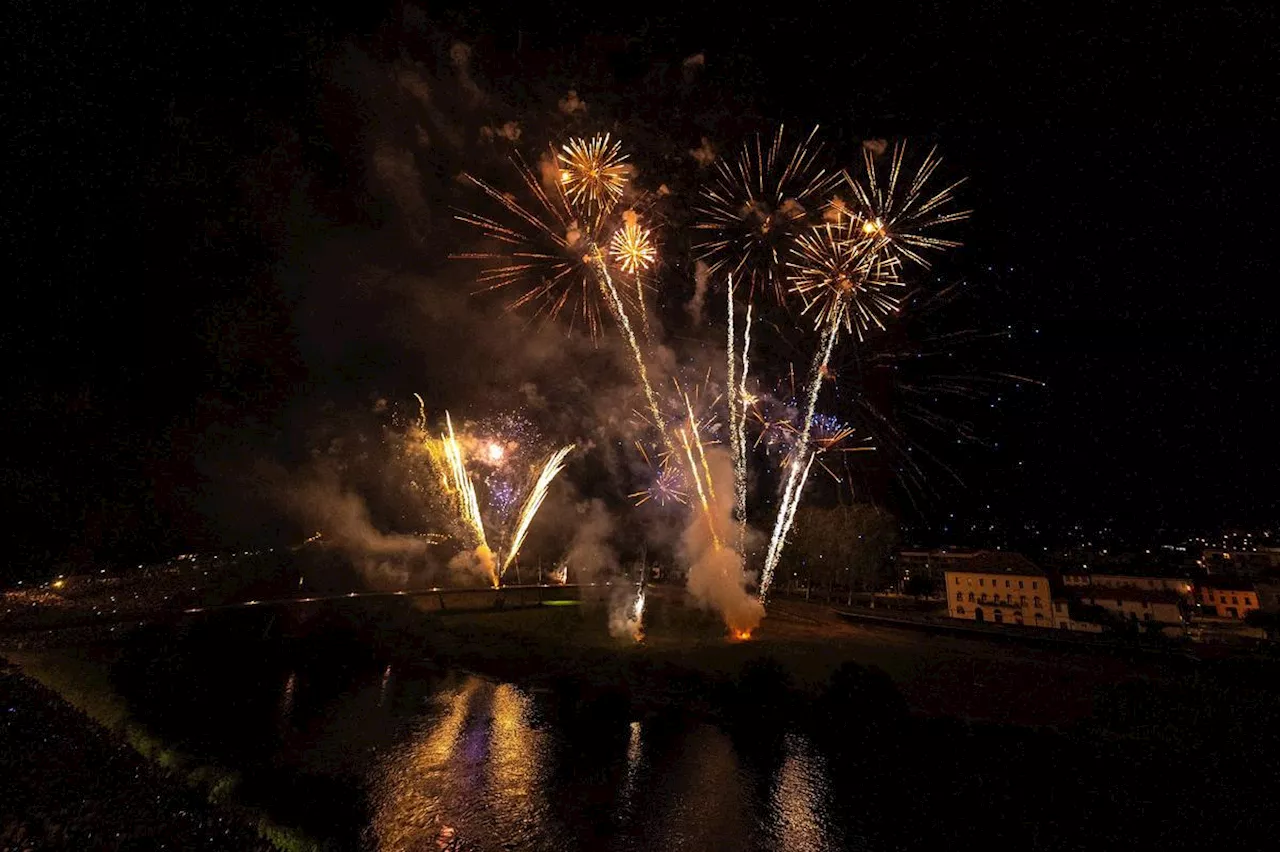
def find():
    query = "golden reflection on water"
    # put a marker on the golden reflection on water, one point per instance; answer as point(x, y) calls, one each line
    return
point(416, 780)
point(473, 771)
point(795, 808)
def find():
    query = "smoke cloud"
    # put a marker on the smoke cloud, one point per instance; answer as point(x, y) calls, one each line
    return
point(701, 278)
point(318, 501)
point(717, 576)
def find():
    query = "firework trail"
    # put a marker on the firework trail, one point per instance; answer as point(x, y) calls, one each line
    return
point(740, 463)
point(846, 271)
point(802, 459)
point(738, 403)
point(533, 502)
point(702, 489)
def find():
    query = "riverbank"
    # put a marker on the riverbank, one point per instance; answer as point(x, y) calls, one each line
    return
point(67, 783)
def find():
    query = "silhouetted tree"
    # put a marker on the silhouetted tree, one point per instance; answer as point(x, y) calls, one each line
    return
point(845, 546)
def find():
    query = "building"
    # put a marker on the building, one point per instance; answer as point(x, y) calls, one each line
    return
point(1146, 606)
point(1082, 583)
point(1005, 588)
point(1250, 563)
point(1229, 597)
point(930, 565)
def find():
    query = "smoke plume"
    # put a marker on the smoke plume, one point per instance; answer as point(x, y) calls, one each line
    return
point(717, 575)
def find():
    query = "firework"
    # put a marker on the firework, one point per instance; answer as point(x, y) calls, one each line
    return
point(533, 502)
point(451, 454)
point(755, 205)
point(594, 173)
point(847, 273)
point(846, 278)
point(458, 483)
point(802, 460)
point(555, 249)
point(666, 486)
point(546, 252)
point(631, 247)
point(901, 211)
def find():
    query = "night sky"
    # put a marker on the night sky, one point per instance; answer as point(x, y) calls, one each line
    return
point(195, 209)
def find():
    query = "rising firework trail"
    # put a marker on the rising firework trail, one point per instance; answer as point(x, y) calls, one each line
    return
point(847, 273)
point(738, 404)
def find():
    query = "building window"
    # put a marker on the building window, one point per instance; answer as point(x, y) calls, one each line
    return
point(971, 597)
point(1037, 601)
point(1034, 585)
point(984, 597)
point(1019, 584)
point(959, 596)
point(959, 610)
point(1222, 599)
point(1235, 601)
point(982, 581)
point(1006, 584)
point(1057, 606)
point(1248, 602)
point(1039, 616)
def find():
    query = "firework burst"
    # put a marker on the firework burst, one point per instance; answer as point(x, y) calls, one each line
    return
point(594, 172)
point(846, 278)
point(756, 205)
point(632, 248)
point(557, 254)
point(548, 252)
point(902, 211)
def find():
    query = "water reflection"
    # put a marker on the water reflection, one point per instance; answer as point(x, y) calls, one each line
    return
point(483, 768)
point(415, 786)
point(801, 799)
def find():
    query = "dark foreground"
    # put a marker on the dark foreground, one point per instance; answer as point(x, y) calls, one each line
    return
point(391, 729)
point(65, 783)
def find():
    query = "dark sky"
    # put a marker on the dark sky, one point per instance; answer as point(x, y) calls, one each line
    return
point(184, 181)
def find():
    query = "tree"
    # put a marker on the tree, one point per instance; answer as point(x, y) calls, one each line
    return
point(845, 546)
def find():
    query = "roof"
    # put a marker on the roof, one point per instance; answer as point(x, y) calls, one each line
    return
point(1104, 593)
point(999, 562)
point(1227, 584)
